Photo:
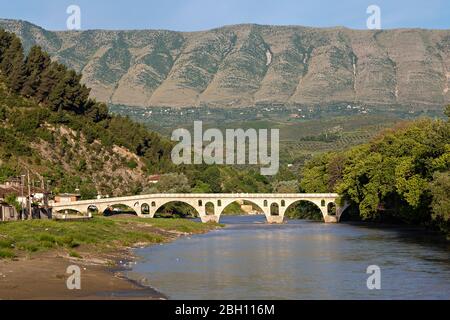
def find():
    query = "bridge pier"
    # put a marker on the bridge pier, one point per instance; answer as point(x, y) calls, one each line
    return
point(330, 219)
point(210, 218)
point(275, 219)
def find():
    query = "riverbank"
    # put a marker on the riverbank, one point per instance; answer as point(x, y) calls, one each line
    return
point(36, 255)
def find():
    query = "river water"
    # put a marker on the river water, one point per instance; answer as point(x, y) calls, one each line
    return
point(249, 259)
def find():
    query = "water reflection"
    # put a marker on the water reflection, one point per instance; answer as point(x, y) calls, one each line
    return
point(299, 260)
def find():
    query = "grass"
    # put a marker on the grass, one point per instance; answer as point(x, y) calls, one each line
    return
point(103, 233)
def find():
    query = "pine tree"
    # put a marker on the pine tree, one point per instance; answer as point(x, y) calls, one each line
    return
point(51, 76)
point(17, 77)
point(13, 65)
point(11, 54)
point(36, 63)
point(5, 43)
point(69, 94)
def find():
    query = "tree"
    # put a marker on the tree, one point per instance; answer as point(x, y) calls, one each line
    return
point(96, 111)
point(290, 186)
point(440, 205)
point(69, 94)
point(11, 199)
point(5, 43)
point(13, 65)
point(212, 177)
point(51, 76)
point(35, 64)
point(170, 183)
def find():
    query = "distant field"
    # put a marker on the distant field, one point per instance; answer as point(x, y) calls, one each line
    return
point(301, 137)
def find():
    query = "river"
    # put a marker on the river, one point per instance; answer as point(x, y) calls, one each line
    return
point(249, 259)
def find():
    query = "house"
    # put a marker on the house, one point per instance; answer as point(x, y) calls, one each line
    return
point(14, 187)
point(67, 197)
point(154, 179)
point(8, 212)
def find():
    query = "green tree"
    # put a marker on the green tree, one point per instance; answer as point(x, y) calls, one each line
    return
point(11, 199)
point(290, 186)
point(36, 63)
point(51, 76)
point(13, 65)
point(440, 205)
point(69, 94)
point(5, 43)
point(447, 111)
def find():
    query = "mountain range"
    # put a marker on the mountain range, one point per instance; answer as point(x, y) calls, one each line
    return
point(254, 65)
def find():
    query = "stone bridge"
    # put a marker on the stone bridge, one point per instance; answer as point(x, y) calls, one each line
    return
point(273, 205)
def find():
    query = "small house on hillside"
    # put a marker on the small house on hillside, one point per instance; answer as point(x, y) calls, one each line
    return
point(154, 179)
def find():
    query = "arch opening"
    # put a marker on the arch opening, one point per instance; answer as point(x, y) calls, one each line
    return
point(242, 207)
point(209, 208)
point(305, 210)
point(145, 209)
point(274, 209)
point(119, 209)
point(93, 209)
point(331, 209)
point(176, 209)
point(68, 212)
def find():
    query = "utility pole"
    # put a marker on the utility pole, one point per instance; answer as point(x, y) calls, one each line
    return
point(29, 197)
point(22, 182)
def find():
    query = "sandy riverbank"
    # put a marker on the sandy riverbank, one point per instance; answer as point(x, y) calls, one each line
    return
point(43, 274)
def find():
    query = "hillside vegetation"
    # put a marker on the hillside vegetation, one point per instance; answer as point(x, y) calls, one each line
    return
point(402, 175)
point(254, 65)
point(48, 124)
point(51, 126)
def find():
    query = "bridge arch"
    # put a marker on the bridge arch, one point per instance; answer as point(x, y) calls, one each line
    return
point(92, 208)
point(121, 208)
point(254, 202)
point(325, 206)
point(69, 211)
point(313, 208)
point(159, 206)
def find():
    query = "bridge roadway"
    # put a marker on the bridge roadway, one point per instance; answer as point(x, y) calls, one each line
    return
point(270, 203)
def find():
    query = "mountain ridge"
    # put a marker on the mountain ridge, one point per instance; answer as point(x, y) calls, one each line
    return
point(254, 65)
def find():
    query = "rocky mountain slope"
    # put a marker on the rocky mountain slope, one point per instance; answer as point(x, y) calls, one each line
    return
point(251, 65)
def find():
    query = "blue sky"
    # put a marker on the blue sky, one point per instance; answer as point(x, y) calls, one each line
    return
point(191, 15)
